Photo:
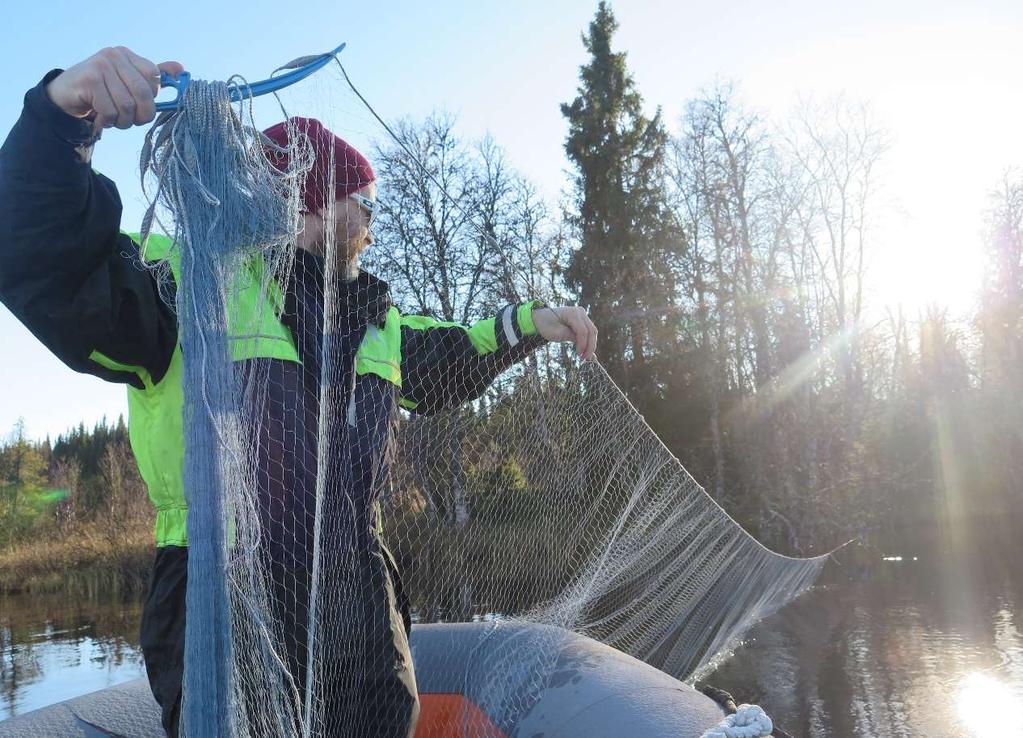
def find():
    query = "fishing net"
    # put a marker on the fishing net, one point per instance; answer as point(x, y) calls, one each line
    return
point(334, 441)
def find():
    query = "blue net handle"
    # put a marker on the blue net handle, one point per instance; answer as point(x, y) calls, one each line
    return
point(297, 70)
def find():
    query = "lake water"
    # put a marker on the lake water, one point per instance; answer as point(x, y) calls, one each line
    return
point(54, 648)
point(904, 649)
point(913, 651)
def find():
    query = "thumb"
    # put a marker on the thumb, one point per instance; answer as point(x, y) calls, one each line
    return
point(172, 68)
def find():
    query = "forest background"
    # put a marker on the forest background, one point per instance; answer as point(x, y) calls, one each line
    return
point(726, 259)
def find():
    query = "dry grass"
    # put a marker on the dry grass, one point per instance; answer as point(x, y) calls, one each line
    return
point(84, 562)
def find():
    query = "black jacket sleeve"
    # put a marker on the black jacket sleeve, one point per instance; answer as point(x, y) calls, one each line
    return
point(446, 364)
point(66, 270)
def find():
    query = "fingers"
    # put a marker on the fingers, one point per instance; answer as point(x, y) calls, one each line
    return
point(133, 89)
point(173, 68)
point(591, 335)
point(114, 103)
point(124, 102)
point(150, 72)
point(579, 330)
point(584, 332)
point(103, 106)
point(113, 87)
point(123, 87)
point(590, 350)
point(586, 335)
point(569, 324)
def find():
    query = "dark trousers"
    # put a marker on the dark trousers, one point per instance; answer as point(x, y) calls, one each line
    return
point(363, 666)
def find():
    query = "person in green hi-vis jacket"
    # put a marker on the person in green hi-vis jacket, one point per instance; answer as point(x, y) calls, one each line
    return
point(71, 276)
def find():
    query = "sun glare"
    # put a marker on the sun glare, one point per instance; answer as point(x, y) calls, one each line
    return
point(987, 707)
point(915, 267)
point(925, 230)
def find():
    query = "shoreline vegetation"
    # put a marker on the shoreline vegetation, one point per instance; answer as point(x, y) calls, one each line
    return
point(74, 514)
point(725, 258)
point(86, 564)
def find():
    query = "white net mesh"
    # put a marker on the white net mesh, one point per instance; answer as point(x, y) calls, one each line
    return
point(516, 484)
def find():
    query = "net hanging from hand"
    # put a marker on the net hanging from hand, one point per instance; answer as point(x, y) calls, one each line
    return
point(510, 482)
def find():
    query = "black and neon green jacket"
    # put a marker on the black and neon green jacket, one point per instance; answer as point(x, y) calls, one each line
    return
point(76, 281)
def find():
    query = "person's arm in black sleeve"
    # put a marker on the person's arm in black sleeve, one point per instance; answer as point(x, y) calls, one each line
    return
point(66, 270)
point(446, 364)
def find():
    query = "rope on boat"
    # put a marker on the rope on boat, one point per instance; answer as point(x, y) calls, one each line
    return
point(743, 721)
point(748, 721)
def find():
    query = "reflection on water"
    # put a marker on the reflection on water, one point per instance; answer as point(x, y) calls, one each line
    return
point(52, 649)
point(904, 650)
point(913, 650)
point(977, 694)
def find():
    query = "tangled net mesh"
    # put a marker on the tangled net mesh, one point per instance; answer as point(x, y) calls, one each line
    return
point(517, 486)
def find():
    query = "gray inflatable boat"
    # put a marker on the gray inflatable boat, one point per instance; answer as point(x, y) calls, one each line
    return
point(589, 691)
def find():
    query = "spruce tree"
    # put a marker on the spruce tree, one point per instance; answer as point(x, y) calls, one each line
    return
point(628, 240)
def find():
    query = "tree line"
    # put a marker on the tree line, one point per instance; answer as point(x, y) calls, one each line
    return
point(85, 479)
point(724, 258)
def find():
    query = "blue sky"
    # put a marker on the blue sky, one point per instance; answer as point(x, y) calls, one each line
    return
point(943, 76)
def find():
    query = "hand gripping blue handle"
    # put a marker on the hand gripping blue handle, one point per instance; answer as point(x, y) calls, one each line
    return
point(298, 69)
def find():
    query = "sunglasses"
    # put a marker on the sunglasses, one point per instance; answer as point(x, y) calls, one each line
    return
point(370, 206)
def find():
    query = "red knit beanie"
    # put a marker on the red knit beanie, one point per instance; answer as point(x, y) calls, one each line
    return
point(351, 172)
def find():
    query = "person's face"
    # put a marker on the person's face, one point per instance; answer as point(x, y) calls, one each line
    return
point(342, 230)
point(352, 223)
